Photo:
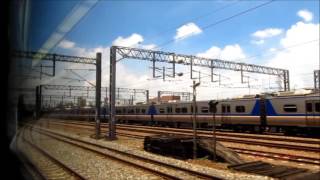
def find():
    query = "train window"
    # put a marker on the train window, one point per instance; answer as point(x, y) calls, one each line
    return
point(118, 111)
point(184, 110)
point(143, 111)
point(161, 110)
point(204, 109)
point(317, 107)
point(290, 108)
point(178, 110)
point(240, 109)
point(228, 108)
point(309, 107)
point(223, 108)
point(138, 110)
point(169, 109)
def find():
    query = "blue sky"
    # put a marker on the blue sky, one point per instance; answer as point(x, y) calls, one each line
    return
point(110, 19)
point(157, 22)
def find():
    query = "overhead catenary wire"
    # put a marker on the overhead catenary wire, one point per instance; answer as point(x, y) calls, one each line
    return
point(279, 49)
point(195, 18)
point(217, 22)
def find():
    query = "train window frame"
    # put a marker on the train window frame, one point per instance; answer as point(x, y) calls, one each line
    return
point(161, 110)
point(309, 107)
point(204, 109)
point(317, 107)
point(290, 108)
point(240, 108)
point(177, 110)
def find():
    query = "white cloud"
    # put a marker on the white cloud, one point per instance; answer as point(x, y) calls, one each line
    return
point(272, 50)
point(132, 40)
point(305, 15)
point(66, 44)
point(300, 32)
point(148, 46)
point(187, 30)
point(267, 33)
point(302, 59)
point(258, 42)
point(229, 52)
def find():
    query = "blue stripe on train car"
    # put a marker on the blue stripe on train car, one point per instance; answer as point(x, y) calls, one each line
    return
point(256, 109)
point(270, 109)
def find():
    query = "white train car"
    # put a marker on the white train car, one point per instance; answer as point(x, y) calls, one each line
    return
point(290, 113)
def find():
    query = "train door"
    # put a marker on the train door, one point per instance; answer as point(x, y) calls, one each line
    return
point(263, 113)
point(312, 109)
point(225, 114)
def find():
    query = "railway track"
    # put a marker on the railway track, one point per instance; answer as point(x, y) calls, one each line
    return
point(271, 155)
point(311, 145)
point(220, 133)
point(50, 167)
point(240, 135)
point(167, 171)
point(278, 156)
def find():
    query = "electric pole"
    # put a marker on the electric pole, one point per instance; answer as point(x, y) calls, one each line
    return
point(194, 119)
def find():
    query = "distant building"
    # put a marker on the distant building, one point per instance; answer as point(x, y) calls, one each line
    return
point(165, 99)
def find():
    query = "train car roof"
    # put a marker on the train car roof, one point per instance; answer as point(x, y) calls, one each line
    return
point(243, 98)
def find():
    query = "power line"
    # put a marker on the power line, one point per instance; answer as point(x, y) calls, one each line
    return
point(82, 78)
point(196, 18)
point(280, 49)
point(220, 21)
point(186, 21)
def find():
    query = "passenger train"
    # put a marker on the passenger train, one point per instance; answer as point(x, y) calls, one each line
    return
point(280, 113)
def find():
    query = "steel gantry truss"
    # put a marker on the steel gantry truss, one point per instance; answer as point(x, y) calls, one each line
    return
point(54, 57)
point(69, 89)
point(170, 57)
point(38, 56)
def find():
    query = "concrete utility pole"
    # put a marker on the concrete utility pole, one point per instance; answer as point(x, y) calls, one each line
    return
point(112, 94)
point(194, 119)
point(213, 109)
point(98, 93)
